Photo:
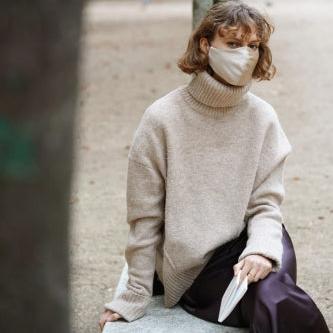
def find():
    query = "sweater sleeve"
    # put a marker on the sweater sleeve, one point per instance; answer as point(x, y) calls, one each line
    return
point(263, 214)
point(145, 198)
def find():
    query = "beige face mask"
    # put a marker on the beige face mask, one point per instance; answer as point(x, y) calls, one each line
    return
point(233, 65)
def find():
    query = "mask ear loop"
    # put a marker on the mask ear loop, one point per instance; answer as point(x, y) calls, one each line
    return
point(210, 69)
point(209, 46)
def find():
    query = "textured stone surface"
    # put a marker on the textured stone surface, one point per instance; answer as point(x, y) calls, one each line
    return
point(160, 319)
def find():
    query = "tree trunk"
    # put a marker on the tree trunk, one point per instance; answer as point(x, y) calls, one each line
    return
point(39, 43)
point(200, 8)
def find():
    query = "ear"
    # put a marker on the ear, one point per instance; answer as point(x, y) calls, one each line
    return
point(204, 45)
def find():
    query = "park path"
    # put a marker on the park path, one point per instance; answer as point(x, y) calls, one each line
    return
point(129, 55)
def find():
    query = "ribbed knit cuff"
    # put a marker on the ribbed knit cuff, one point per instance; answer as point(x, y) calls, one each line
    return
point(129, 305)
point(265, 247)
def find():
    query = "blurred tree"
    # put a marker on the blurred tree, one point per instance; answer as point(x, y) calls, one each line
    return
point(200, 8)
point(39, 42)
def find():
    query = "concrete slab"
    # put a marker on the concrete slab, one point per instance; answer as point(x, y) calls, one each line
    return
point(163, 320)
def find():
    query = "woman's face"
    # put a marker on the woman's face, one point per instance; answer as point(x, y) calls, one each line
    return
point(232, 39)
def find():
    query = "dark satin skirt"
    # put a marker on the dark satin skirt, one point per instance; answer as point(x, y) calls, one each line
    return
point(272, 305)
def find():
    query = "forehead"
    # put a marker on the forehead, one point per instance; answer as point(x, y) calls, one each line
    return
point(239, 32)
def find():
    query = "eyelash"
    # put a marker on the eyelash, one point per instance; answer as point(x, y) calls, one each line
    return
point(252, 46)
point(255, 46)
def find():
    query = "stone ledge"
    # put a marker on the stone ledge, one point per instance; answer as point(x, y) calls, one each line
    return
point(159, 319)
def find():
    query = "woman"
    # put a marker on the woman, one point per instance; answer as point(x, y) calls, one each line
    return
point(205, 186)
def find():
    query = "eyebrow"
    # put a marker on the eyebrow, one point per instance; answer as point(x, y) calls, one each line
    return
point(252, 41)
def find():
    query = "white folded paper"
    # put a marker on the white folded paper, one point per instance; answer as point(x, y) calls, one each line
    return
point(234, 292)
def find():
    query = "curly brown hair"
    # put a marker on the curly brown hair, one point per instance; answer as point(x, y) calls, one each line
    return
point(222, 18)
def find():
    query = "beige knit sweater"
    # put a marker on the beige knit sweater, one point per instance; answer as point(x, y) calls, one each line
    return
point(205, 160)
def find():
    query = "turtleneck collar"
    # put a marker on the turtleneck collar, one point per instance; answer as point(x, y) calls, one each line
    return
point(208, 95)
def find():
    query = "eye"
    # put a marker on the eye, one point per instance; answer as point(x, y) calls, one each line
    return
point(254, 46)
point(233, 44)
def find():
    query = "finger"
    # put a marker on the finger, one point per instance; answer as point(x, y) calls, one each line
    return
point(238, 267)
point(116, 316)
point(101, 324)
point(256, 275)
point(105, 317)
point(251, 273)
point(245, 270)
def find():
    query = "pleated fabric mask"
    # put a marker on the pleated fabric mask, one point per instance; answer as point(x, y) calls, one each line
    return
point(235, 65)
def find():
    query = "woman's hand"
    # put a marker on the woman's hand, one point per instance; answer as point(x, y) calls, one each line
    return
point(255, 266)
point(108, 315)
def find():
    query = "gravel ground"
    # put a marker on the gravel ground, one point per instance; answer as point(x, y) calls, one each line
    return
point(129, 54)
